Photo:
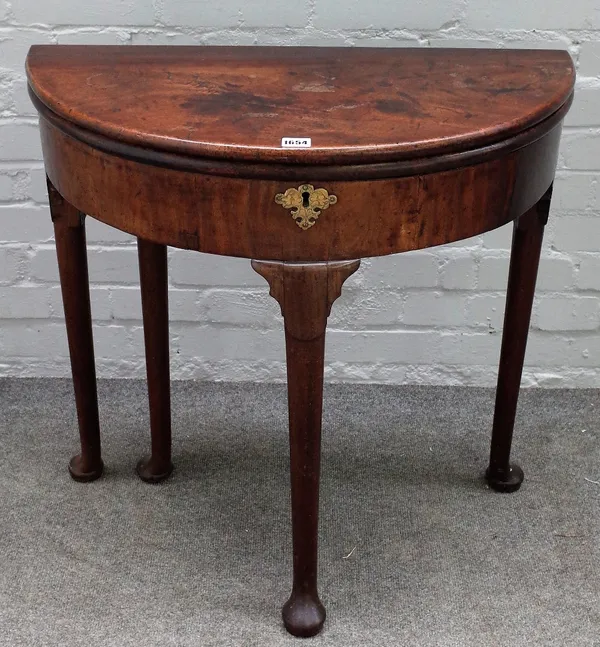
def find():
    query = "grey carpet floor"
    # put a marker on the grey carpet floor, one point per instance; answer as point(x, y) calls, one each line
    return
point(415, 550)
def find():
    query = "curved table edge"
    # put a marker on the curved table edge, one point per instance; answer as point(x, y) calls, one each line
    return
point(297, 172)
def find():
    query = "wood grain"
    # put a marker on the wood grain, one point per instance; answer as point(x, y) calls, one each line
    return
point(181, 146)
point(527, 240)
point(69, 234)
point(305, 293)
point(239, 217)
point(155, 309)
point(358, 105)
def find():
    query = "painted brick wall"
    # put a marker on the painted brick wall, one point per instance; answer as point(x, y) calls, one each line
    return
point(425, 317)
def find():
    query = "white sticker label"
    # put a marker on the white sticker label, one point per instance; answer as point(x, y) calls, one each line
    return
point(296, 142)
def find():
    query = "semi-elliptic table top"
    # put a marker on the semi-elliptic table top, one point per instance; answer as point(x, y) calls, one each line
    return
point(357, 105)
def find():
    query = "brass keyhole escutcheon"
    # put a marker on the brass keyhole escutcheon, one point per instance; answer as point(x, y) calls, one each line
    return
point(306, 203)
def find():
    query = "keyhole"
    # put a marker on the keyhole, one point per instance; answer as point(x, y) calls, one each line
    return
point(305, 197)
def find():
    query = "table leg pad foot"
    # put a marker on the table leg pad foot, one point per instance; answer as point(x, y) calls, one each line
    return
point(83, 473)
point(303, 615)
point(151, 472)
point(505, 481)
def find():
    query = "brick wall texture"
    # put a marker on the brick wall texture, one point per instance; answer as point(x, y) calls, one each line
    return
point(426, 317)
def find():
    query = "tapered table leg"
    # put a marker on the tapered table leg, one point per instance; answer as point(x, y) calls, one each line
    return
point(528, 234)
point(155, 308)
point(305, 293)
point(69, 233)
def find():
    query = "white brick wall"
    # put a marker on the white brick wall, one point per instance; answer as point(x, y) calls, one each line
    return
point(426, 317)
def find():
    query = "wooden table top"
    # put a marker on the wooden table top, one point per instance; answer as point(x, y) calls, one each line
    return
point(357, 105)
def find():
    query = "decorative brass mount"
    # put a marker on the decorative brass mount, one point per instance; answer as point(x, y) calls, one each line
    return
point(306, 203)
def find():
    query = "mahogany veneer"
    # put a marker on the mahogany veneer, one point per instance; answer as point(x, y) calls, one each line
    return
point(182, 146)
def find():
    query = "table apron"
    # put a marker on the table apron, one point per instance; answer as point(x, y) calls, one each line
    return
point(240, 217)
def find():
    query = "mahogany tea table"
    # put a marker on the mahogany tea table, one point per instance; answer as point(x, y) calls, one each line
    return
point(305, 160)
